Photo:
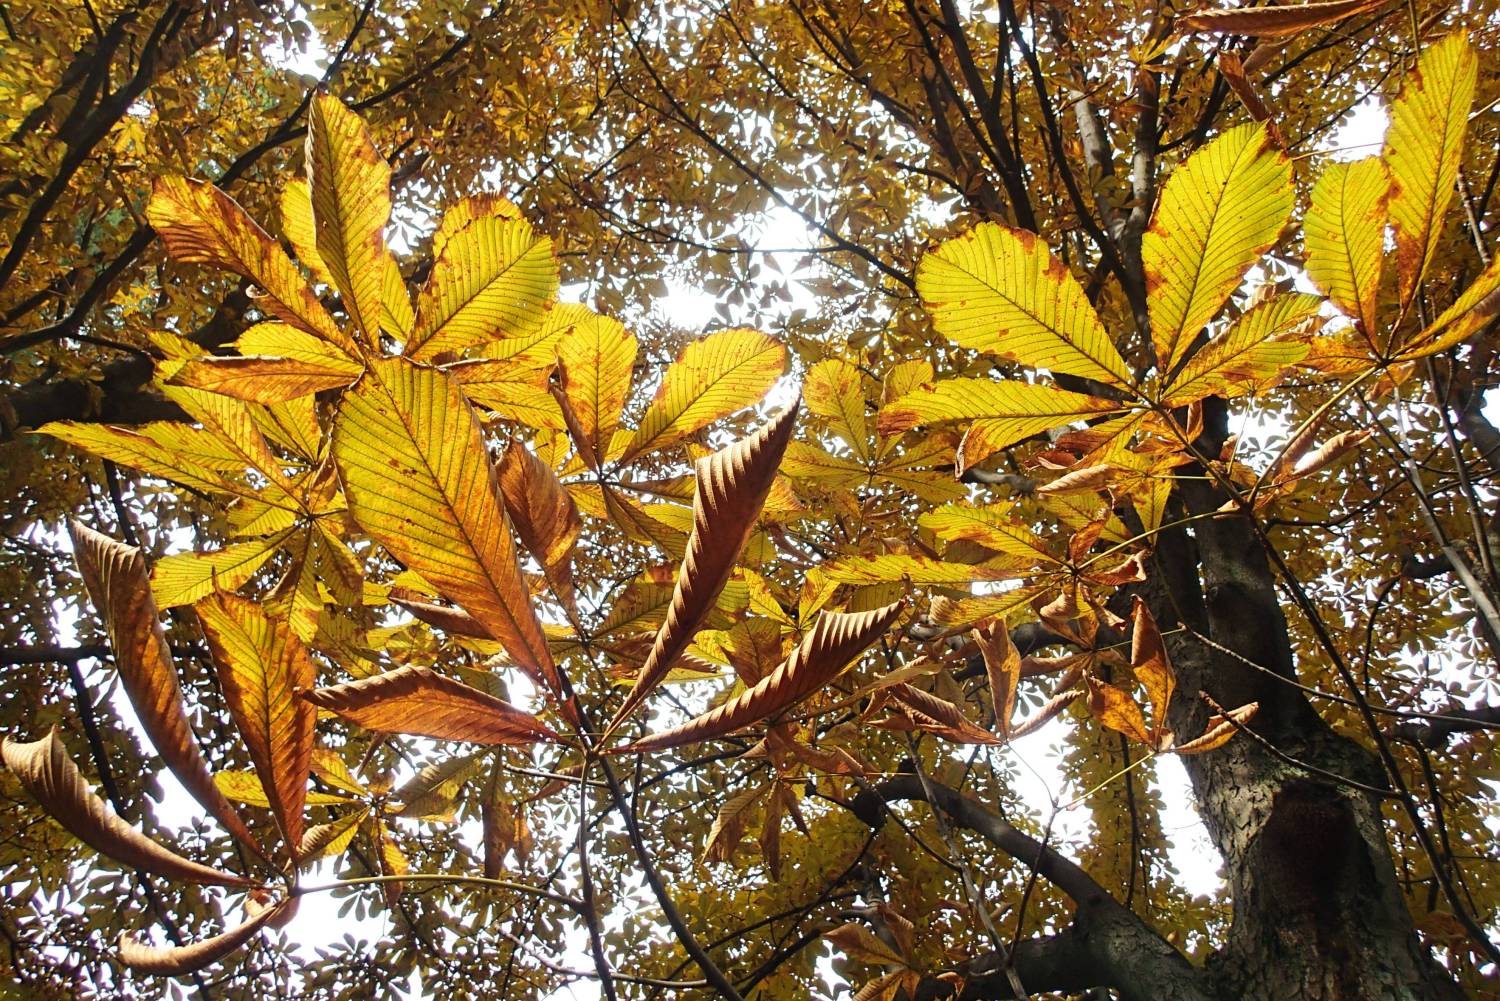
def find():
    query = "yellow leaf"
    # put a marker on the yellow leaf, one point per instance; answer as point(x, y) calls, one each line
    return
point(1001, 291)
point(494, 280)
point(201, 225)
point(1003, 413)
point(1344, 235)
point(137, 448)
point(1249, 357)
point(1423, 148)
point(835, 390)
point(992, 526)
point(332, 838)
point(595, 358)
point(261, 665)
point(860, 944)
point(300, 231)
point(1469, 313)
point(465, 211)
point(920, 570)
point(512, 391)
point(183, 578)
point(715, 376)
point(418, 479)
point(259, 379)
point(351, 203)
point(397, 316)
point(245, 787)
point(1217, 214)
point(229, 422)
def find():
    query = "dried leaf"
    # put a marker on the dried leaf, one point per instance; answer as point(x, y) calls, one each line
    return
point(261, 664)
point(332, 838)
point(1151, 665)
point(860, 944)
point(1275, 21)
point(941, 717)
point(115, 575)
point(421, 702)
point(1002, 665)
point(49, 775)
point(177, 961)
point(1218, 730)
point(835, 640)
point(1118, 711)
point(732, 485)
point(543, 513)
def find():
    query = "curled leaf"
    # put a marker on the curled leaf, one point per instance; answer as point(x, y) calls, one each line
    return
point(543, 514)
point(421, 702)
point(940, 717)
point(829, 646)
point(117, 581)
point(177, 961)
point(1274, 21)
point(1219, 729)
point(1002, 666)
point(49, 775)
point(732, 485)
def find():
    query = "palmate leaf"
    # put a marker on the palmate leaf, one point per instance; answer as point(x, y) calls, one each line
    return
point(1423, 148)
point(418, 479)
point(201, 225)
point(419, 701)
point(261, 664)
point(1002, 413)
point(1247, 358)
point(715, 376)
point(1344, 235)
point(731, 488)
point(351, 203)
point(116, 578)
point(1001, 291)
point(493, 280)
point(1218, 214)
point(835, 640)
point(49, 775)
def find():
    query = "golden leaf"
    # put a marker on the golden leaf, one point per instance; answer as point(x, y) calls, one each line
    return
point(595, 359)
point(1275, 21)
point(351, 203)
point(261, 664)
point(1344, 234)
point(418, 479)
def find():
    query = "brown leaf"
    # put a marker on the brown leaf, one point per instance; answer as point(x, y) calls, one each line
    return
point(941, 717)
point(543, 514)
point(49, 775)
point(1152, 667)
point(423, 703)
point(1118, 711)
point(1050, 709)
point(861, 944)
point(449, 618)
point(1002, 665)
point(176, 961)
point(1085, 480)
point(1274, 21)
point(829, 646)
point(261, 665)
point(118, 582)
point(732, 485)
point(728, 829)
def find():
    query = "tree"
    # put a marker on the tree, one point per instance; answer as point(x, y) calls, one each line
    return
point(1150, 440)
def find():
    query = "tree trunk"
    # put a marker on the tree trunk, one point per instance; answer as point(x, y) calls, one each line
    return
point(1317, 910)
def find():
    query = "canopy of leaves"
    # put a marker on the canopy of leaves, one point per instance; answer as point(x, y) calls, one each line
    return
point(614, 494)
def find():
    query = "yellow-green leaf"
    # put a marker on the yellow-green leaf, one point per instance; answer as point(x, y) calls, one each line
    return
point(1003, 413)
point(1423, 147)
point(351, 203)
point(494, 280)
point(595, 358)
point(1217, 214)
point(835, 390)
point(1344, 235)
point(183, 578)
point(1001, 291)
point(1248, 358)
point(715, 376)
